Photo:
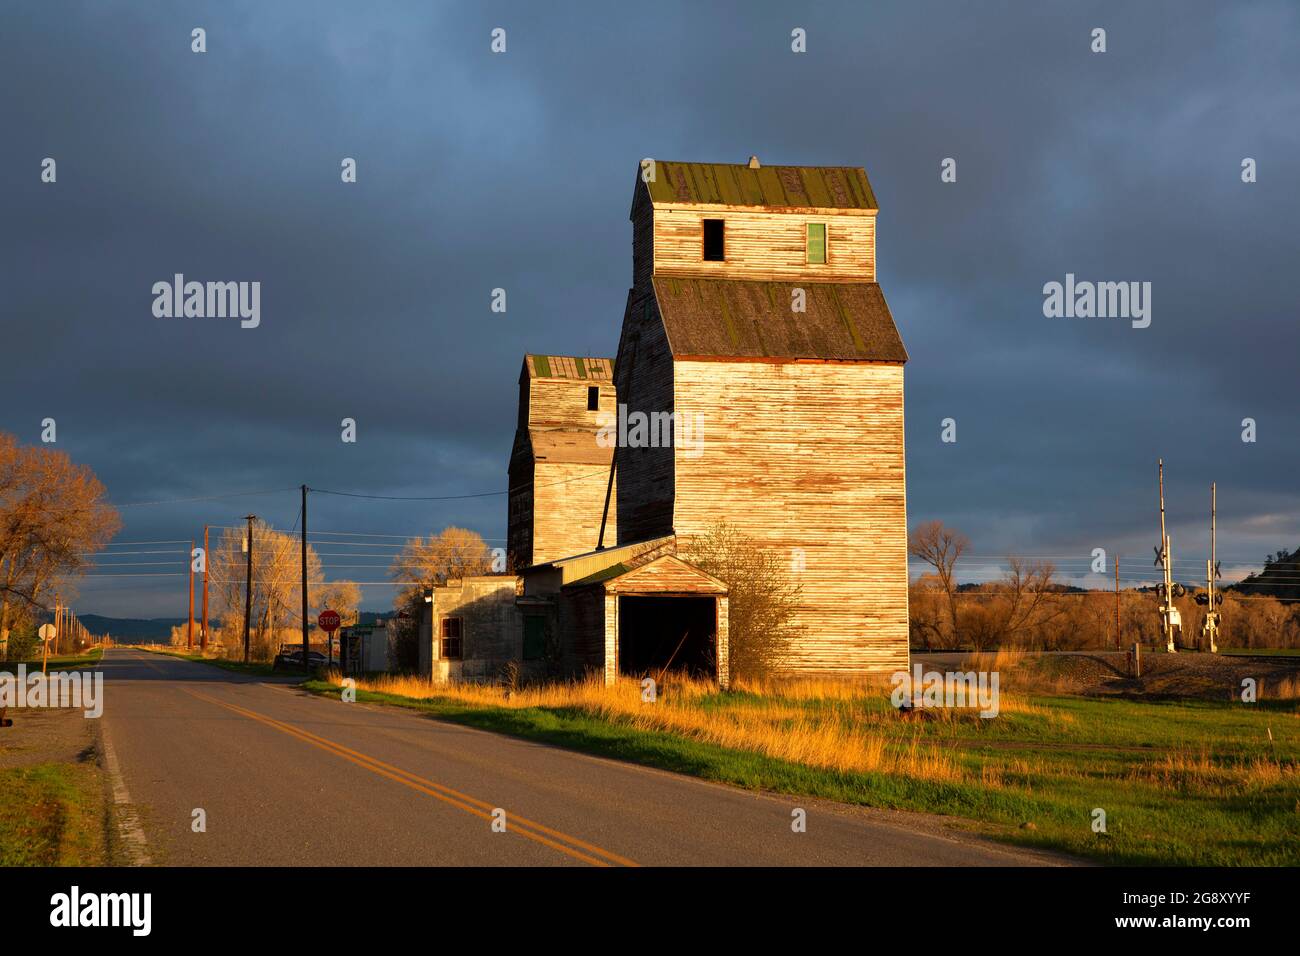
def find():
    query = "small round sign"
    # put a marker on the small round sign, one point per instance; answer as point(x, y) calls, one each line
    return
point(329, 621)
point(47, 632)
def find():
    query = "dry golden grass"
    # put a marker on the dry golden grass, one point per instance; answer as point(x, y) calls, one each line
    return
point(1283, 688)
point(1187, 771)
point(1003, 659)
point(776, 725)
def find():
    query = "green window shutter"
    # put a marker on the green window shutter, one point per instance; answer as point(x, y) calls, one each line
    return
point(816, 242)
point(534, 637)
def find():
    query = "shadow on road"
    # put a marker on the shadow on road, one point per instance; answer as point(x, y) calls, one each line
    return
point(129, 664)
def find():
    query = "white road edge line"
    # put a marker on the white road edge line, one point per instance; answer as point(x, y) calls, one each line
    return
point(128, 821)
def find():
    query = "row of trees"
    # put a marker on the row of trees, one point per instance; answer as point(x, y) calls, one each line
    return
point(1027, 608)
point(276, 593)
point(54, 517)
point(275, 619)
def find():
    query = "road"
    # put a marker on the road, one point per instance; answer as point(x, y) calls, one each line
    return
point(286, 778)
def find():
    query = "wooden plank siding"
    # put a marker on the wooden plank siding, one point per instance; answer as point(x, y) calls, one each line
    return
point(582, 626)
point(558, 471)
point(722, 642)
point(808, 456)
point(665, 576)
point(763, 245)
point(568, 499)
point(611, 638)
point(559, 402)
point(643, 251)
point(644, 375)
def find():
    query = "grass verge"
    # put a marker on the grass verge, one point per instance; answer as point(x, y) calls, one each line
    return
point(61, 662)
point(51, 814)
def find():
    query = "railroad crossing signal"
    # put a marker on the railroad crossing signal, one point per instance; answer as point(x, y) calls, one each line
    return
point(1169, 616)
point(1213, 599)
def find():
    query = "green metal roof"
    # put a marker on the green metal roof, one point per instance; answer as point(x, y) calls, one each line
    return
point(612, 571)
point(735, 184)
point(568, 366)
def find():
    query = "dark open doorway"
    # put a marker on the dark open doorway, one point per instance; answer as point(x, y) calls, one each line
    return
point(673, 632)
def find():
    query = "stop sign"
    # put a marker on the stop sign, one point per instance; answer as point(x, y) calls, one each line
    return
point(329, 621)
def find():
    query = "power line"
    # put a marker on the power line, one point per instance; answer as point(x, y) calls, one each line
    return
point(118, 544)
point(175, 501)
point(481, 494)
point(114, 554)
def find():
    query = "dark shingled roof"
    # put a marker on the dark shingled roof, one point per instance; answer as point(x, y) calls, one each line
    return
point(739, 318)
point(790, 187)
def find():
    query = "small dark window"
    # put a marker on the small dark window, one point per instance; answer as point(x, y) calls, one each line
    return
point(534, 637)
point(714, 243)
point(451, 638)
point(593, 398)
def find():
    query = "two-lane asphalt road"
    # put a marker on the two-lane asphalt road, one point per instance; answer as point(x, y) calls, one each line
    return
point(285, 778)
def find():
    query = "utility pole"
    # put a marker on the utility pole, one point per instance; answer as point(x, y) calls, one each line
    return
point(1168, 613)
point(304, 577)
point(189, 628)
point(45, 658)
point(1119, 642)
point(1210, 627)
point(248, 583)
point(203, 629)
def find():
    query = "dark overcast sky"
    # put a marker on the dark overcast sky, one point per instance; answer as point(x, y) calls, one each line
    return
point(479, 171)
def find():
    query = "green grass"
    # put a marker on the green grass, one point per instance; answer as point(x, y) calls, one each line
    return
point(1230, 797)
point(253, 667)
point(51, 814)
point(60, 662)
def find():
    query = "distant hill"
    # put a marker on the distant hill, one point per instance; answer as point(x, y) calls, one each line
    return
point(130, 630)
point(1280, 577)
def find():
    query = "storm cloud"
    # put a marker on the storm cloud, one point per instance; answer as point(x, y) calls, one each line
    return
point(478, 171)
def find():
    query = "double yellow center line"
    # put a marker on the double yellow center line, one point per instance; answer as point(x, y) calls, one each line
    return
point(569, 845)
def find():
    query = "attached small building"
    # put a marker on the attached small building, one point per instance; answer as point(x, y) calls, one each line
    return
point(559, 472)
point(629, 611)
point(475, 631)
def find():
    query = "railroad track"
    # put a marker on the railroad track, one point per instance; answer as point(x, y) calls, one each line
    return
point(1291, 659)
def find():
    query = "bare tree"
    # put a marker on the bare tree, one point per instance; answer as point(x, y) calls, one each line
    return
point(940, 548)
point(277, 584)
point(433, 561)
point(53, 519)
point(1028, 587)
point(927, 611)
point(341, 596)
point(761, 600)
